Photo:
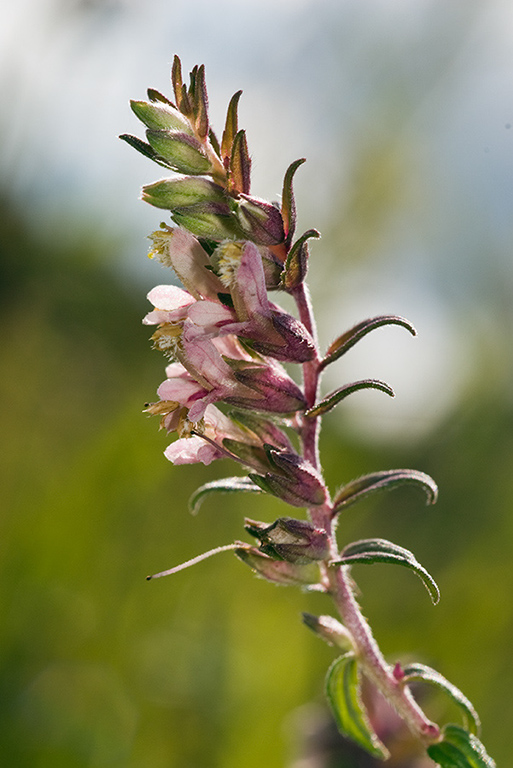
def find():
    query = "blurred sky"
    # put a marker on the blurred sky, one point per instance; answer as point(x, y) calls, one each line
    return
point(413, 101)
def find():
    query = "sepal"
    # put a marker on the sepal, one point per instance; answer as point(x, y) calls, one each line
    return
point(343, 686)
point(459, 749)
point(382, 551)
point(280, 571)
point(296, 541)
point(183, 153)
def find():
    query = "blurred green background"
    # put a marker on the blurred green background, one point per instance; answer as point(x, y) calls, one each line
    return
point(404, 112)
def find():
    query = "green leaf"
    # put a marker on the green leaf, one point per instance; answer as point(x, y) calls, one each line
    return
point(335, 397)
point(288, 204)
point(421, 672)
point(382, 551)
point(225, 485)
point(240, 164)
point(386, 480)
point(460, 749)
point(348, 339)
point(343, 692)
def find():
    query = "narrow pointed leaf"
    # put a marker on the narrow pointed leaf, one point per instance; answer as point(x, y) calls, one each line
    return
point(348, 339)
point(460, 749)
point(335, 397)
point(343, 693)
point(420, 672)
point(240, 164)
point(201, 103)
point(378, 481)
point(176, 80)
point(297, 261)
point(382, 551)
point(231, 126)
point(288, 203)
point(144, 148)
point(214, 141)
point(225, 485)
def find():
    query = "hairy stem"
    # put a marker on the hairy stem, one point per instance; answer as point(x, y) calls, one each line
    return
point(370, 657)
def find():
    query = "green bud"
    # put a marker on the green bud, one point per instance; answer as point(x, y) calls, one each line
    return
point(210, 226)
point(330, 630)
point(159, 115)
point(184, 153)
point(185, 192)
point(296, 541)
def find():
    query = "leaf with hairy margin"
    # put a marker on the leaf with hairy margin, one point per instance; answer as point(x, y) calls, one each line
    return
point(385, 480)
point(421, 673)
point(382, 551)
point(343, 693)
point(348, 339)
point(225, 485)
point(340, 394)
point(459, 749)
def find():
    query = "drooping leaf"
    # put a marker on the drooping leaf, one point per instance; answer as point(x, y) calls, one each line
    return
point(382, 551)
point(335, 397)
point(460, 749)
point(421, 672)
point(348, 339)
point(231, 126)
point(343, 693)
point(225, 485)
point(386, 480)
point(295, 268)
point(288, 203)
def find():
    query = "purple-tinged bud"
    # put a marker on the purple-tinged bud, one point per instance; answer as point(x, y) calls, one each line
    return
point(184, 153)
point(296, 541)
point(277, 392)
point(185, 192)
point(279, 571)
point(330, 630)
point(260, 221)
point(291, 342)
point(296, 478)
point(159, 115)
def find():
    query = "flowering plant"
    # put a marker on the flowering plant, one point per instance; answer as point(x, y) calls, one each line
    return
point(227, 395)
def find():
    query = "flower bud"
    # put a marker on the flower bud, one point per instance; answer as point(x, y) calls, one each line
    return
point(330, 630)
point(260, 221)
point(206, 224)
point(185, 192)
point(277, 392)
point(279, 571)
point(296, 482)
point(296, 541)
point(160, 115)
point(184, 153)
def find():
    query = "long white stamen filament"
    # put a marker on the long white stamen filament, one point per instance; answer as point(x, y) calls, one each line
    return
point(198, 559)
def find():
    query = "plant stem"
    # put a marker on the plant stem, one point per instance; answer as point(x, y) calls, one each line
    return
point(369, 655)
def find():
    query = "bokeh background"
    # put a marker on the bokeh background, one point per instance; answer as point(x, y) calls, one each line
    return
point(405, 112)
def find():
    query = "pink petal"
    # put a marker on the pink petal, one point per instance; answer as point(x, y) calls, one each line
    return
point(169, 297)
point(251, 282)
point(191, 450)
point(189, 261)
point(180, 390)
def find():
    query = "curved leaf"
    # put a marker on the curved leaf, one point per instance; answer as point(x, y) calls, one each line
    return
point(225, 485)
point(144, 148)
point(348, 339)
point(288, 204)
point(231, 126)
point(382, 551)
point(460, 749)
point(335, 397)
point(421, 672)
point(343, 692)
point(385, 480)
